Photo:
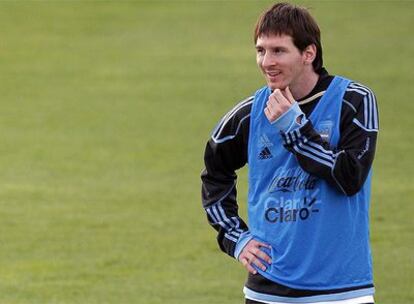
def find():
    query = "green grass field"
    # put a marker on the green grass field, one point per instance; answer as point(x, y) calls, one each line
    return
point(105, 108)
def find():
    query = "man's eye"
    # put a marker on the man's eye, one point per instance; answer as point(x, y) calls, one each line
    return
point(260, 51)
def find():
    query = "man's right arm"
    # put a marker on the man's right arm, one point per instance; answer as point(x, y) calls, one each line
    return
point(226, 152)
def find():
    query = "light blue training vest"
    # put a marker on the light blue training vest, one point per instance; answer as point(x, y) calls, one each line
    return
point(319, 236)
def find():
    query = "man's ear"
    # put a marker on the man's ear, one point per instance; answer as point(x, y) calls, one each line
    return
point(309, 54)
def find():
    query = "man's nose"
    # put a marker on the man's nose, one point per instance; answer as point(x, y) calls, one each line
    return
point(268, 60)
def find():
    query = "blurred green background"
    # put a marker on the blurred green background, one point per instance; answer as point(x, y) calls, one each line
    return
point(105, 109)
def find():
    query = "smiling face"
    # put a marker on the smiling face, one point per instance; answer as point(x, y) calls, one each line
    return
point(283, 64)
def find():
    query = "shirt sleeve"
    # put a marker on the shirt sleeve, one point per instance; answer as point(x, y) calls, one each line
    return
point(346, 166)
point(226, 152)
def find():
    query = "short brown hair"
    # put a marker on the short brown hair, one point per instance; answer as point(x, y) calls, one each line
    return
point(295, 21)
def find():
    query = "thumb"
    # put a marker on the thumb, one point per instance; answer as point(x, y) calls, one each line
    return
point(289, 95)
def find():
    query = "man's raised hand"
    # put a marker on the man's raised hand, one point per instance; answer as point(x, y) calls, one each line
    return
point(278, 103)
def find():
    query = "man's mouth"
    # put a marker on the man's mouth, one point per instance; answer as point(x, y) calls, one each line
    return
point(273, 73)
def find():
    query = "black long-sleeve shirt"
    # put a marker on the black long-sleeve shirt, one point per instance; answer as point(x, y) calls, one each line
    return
point(226, 152)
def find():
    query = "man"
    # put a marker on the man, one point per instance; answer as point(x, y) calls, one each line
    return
point(309, 139)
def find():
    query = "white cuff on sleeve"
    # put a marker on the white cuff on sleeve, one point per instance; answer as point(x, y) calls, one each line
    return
point(288, 121)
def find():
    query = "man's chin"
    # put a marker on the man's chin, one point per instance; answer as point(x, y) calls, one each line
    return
point(274, 86)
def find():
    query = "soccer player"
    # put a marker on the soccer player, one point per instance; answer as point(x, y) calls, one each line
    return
point(309, 139)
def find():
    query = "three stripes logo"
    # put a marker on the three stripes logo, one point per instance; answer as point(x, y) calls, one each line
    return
point(265, 154)
point(265, 143)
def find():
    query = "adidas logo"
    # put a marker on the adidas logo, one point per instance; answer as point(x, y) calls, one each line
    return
point(265, 154)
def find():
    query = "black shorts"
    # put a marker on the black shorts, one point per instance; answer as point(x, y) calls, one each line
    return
point(255, 302)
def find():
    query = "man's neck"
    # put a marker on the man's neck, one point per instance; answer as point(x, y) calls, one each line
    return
point(305, 85)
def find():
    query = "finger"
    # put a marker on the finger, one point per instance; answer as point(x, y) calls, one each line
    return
point(247, 265)
point(289, 95)
point(260, 244)
point(262, 255)
point(267, 113)
point(252, 257)
point(273, 95)
point(274, 100)
point(258, 263)
point(272, 103)
point(274, 107)
point(272, 114)
point(280, 98)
